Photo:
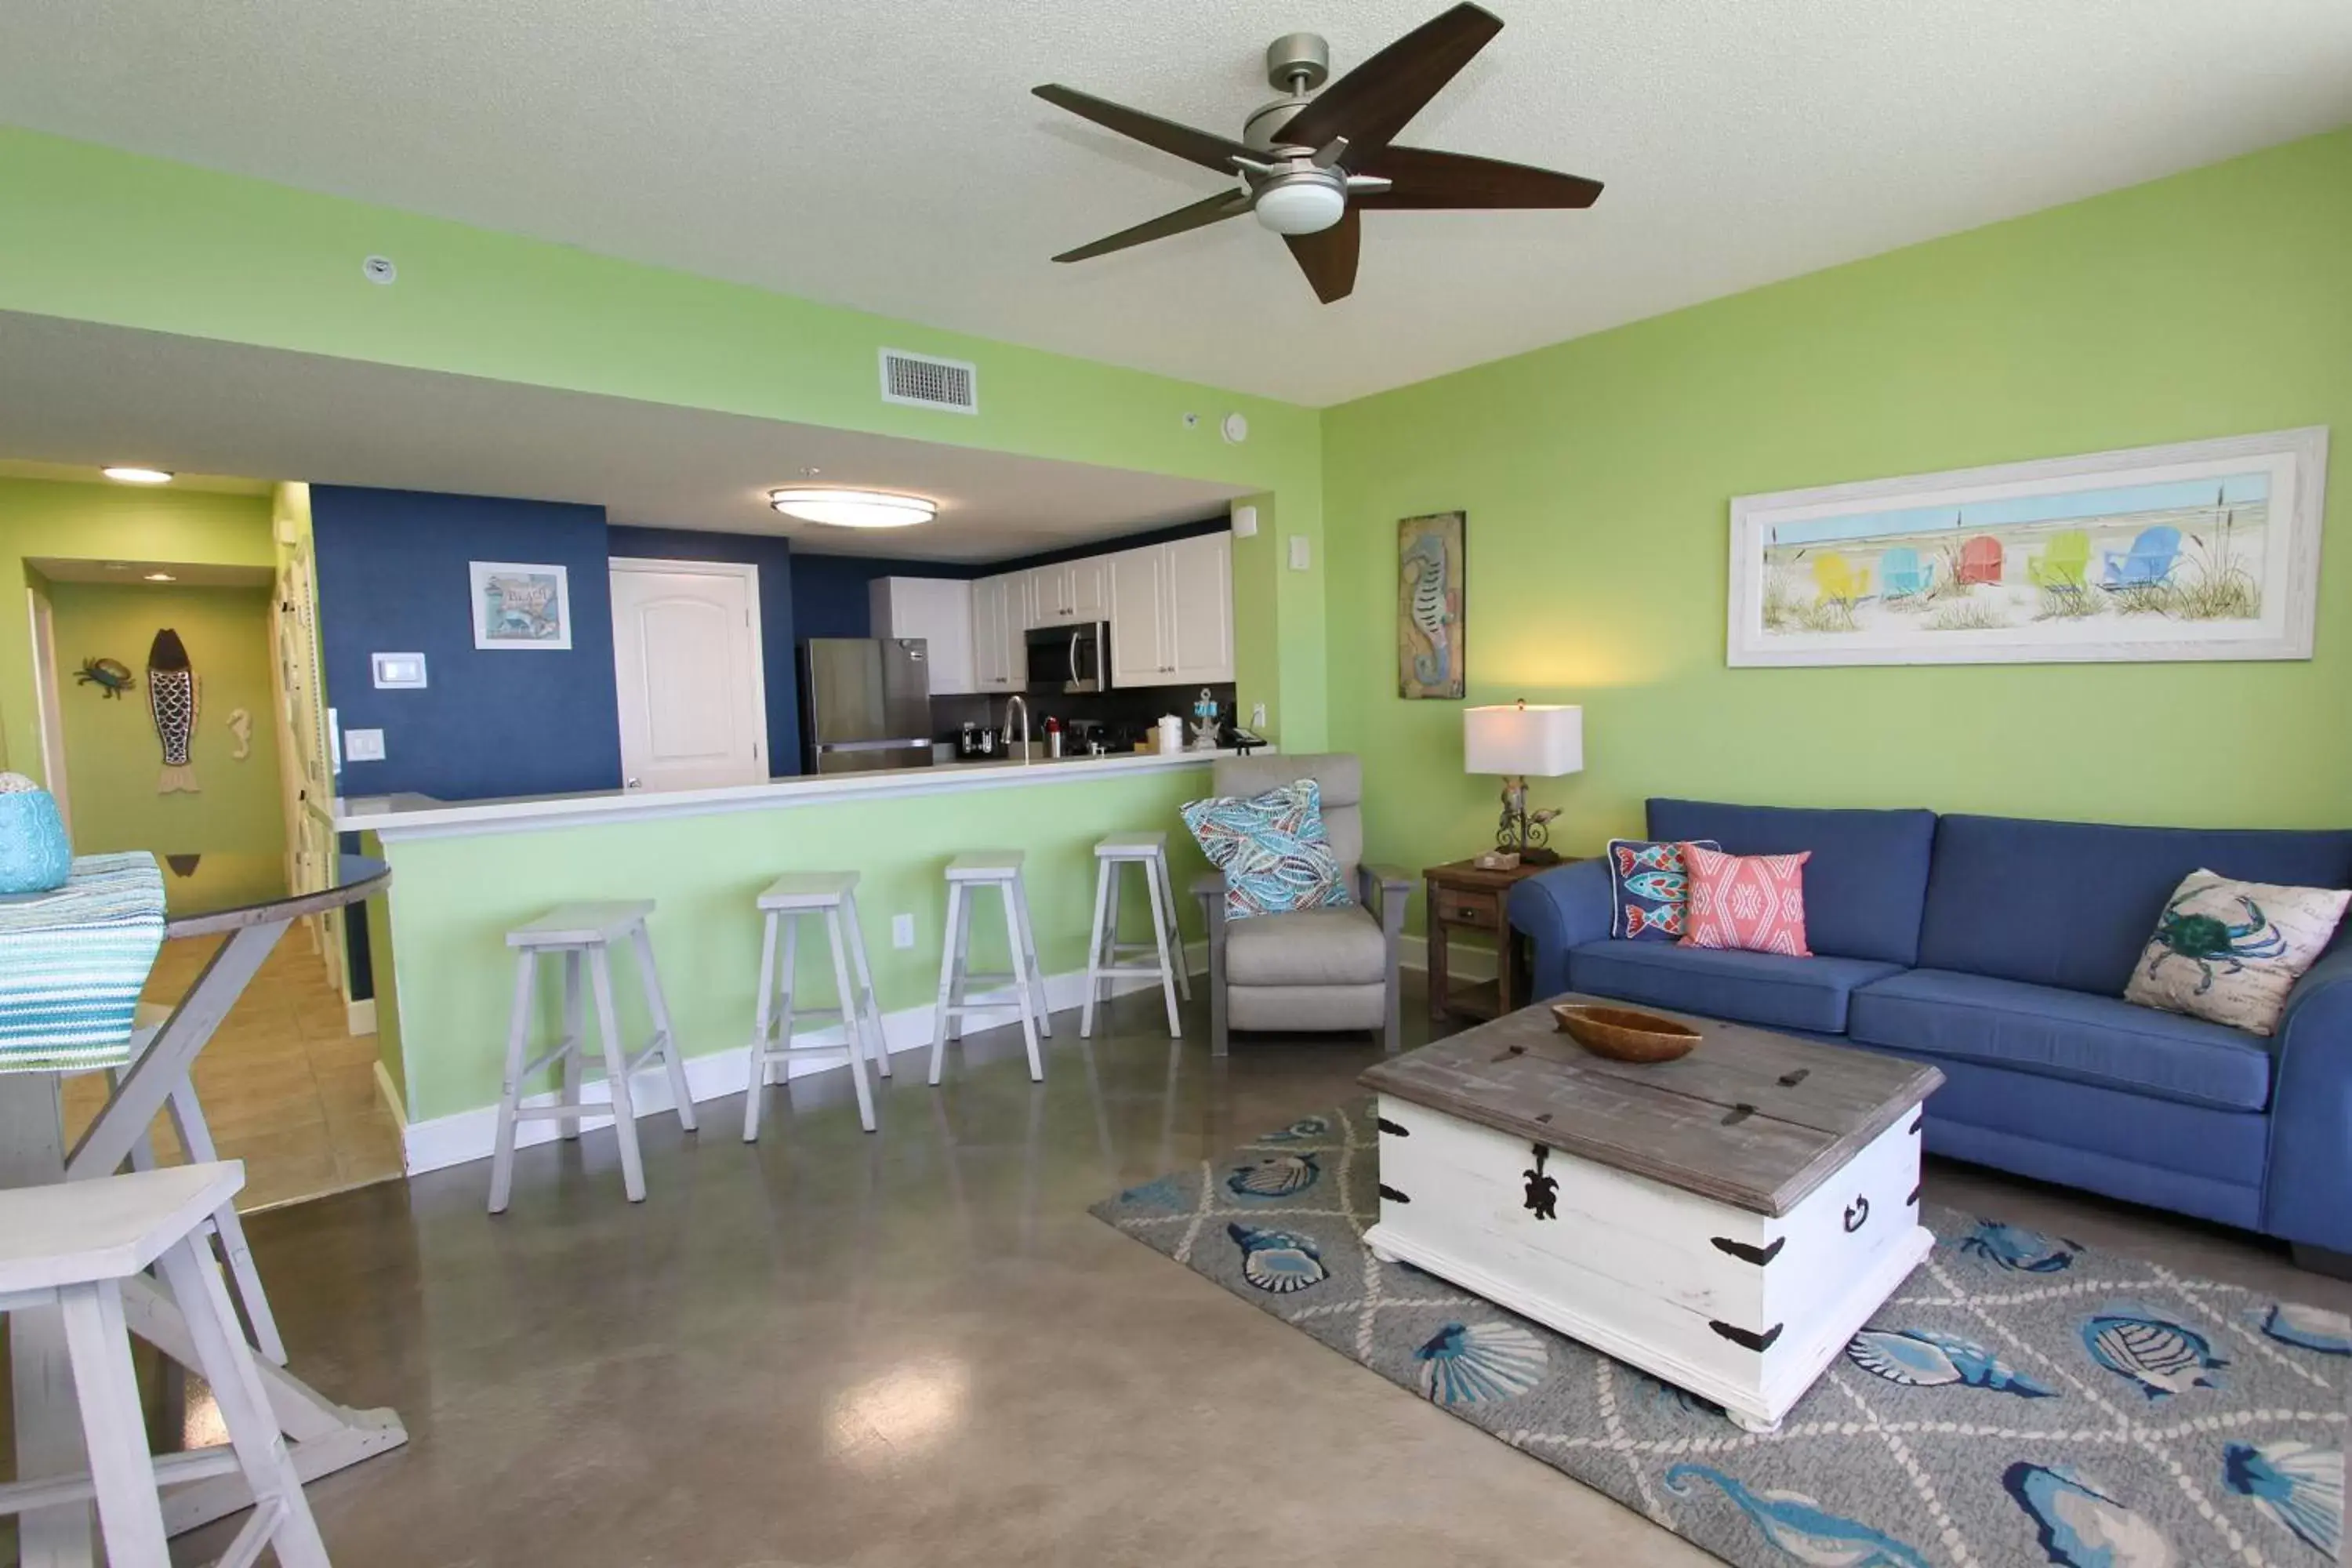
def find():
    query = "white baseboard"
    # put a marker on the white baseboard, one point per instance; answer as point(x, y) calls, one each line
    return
point(359, 1016)
point(465, 1136)
point(391, 1092)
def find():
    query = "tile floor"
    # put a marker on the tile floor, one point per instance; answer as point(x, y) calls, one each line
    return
point(285, 1086)
point(916, 1347)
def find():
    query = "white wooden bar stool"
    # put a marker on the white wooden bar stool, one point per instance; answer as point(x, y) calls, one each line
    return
point(71, 1245)
point(585, 932)
point(968, 877)
point(832, 897)
point(1113, 855)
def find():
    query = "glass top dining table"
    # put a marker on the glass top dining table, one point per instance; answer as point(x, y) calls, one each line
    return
point(243, 899)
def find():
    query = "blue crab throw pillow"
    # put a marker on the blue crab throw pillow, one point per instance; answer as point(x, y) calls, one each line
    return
point(2230, 951)
point(1649, 888)
point(1272, 849)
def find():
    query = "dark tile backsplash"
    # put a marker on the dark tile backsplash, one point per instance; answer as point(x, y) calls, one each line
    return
point(1125, 714)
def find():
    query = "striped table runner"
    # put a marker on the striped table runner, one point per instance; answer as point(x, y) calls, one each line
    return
point(72, 962)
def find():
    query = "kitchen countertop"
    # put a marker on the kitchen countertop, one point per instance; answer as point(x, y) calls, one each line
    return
point(395, 817)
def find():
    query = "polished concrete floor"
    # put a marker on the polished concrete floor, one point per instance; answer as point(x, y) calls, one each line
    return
point(917, 1347)
point(284, 1085)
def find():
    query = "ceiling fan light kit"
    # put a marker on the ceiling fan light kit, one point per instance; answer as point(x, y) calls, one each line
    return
point(1310, 162)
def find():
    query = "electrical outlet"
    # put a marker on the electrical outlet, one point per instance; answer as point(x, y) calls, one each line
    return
point(363, 745)
point(902, 931)
point(1257, 715)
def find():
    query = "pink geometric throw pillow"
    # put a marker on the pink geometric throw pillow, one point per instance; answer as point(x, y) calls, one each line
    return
point(1754, 902)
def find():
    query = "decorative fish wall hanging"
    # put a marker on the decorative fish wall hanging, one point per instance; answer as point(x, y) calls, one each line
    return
point(172, 695)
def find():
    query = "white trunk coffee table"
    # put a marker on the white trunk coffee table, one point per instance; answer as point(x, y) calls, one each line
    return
point(1724, 1222)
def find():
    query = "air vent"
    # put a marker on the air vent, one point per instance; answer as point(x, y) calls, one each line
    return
point(921, 382)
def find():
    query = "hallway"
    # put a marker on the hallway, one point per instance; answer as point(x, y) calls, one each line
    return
point(285, 1086)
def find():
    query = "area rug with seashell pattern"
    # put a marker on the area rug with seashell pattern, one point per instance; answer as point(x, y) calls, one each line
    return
point(2020, 1400)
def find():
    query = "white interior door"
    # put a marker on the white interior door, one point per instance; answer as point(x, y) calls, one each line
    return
point(686, 651)
point(48, 697)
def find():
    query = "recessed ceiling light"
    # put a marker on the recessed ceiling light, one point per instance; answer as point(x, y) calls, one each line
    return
point(132, 474)
point(854, 508)
point(161, 577)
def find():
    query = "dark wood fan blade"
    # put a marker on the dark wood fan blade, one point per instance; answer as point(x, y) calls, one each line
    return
point(1329, 258)
point(1424, 180)
point(1200, 215)
point(1202, 147)
point(1371, 103)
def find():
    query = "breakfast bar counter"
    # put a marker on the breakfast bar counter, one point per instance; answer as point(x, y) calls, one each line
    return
point(395, 817)
point(467, 872)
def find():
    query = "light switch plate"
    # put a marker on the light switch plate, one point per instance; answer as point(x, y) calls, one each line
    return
point(1257, 715)
point(363, 745)
point(397, 671)
point(902, 931)
point(1298, 558)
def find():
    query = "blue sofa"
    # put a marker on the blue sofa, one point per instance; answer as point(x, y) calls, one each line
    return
point(1997, 949)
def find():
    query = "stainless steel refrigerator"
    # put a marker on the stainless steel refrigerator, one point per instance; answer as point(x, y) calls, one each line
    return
point(865, 704)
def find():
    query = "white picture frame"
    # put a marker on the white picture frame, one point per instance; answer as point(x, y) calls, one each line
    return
point(2108, 557)
point(519, 606)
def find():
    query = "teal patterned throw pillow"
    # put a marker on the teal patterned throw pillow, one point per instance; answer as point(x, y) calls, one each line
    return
point(1272, 849)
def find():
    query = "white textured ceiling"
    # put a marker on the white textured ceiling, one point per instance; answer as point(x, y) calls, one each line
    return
point(886, 154)
point(73, 395)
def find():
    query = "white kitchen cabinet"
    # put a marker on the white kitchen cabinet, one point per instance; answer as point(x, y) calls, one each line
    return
point(1069, 593)
point(1171, 613)
point(1138, 618)
point(1045, 598)
point(1088, 589)
point(998, 659)
point(1200, 641)
point(939, 611)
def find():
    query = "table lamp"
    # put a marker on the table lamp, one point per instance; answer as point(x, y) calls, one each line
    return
point(1520, 741)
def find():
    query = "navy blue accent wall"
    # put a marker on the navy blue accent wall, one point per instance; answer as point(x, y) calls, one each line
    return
point(778, 630)
point(829, 598)
point(392, 579)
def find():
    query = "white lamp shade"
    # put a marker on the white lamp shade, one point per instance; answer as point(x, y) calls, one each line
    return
point(1540, 741)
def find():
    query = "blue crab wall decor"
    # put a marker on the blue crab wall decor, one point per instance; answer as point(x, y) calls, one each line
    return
point(110, 676)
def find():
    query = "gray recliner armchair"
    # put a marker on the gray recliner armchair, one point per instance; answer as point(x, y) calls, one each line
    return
point(1312, 970)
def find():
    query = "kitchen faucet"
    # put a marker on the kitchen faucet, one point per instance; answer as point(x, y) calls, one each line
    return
point(1017, 700)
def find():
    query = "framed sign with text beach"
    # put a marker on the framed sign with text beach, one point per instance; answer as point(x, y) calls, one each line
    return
point(2206, 550)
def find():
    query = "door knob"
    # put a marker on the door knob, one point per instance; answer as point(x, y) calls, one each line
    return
point(633, 784)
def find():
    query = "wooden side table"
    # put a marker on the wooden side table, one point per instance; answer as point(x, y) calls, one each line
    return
point(1464, 896)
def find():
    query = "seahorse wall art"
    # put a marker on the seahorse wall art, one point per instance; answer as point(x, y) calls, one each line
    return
point(1429, 605)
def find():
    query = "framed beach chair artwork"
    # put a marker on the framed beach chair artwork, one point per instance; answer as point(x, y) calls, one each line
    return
point(2205, 549)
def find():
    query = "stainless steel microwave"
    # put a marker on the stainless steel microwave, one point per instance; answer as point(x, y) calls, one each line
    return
point(1070, 658)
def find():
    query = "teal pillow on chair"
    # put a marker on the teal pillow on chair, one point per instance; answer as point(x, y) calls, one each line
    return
point(1272, 849)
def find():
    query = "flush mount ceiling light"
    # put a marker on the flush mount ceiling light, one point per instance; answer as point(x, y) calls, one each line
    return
point(854, 508)
point(132, 474)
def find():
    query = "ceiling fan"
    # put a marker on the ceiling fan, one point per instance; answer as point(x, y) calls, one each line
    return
point(1311, 166)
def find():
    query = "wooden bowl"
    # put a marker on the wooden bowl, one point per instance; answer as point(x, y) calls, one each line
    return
point(1624, 1036)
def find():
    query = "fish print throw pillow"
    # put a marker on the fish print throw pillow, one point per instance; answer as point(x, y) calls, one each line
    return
point(1753, 903)
point(1649, 888)
point(1271, 849)
point(2230, 951)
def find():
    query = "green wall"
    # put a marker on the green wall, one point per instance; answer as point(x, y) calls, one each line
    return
point(101, 523)
point(92, 234)
point(1596, 475)
point(112, 755)
point(453, 900)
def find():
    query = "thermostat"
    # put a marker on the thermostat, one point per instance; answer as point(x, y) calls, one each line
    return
point(397, 671)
